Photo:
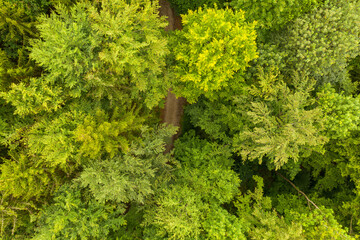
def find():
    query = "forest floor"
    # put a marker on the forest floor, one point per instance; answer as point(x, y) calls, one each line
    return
point(174, 107)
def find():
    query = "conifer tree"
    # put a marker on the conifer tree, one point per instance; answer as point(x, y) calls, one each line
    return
point(273, 14)
point(214, 46)
point(321, 42)
point(281, 123)
point(74, 215)
point(98, 202)
point(190, 206)
point(103, 72)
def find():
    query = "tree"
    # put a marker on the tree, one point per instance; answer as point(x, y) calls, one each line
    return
point(214, 46)
point(83, 52)
point(263, 222)
point(322, 42)
point(75, 216)
point(341, 112)
point(103, 73)
point(293, 220)
point(17, 28)
point(130, 177)
point(95, 204)
point(282, 124)
point(191, 205)
point(273, 14)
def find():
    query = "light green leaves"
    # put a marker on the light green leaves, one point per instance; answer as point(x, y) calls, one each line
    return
point(282, 124)
point(321, 42)
point(273, 14)
point(130, 177)
point(72, 216)
point(205, 181)
point(342, 113)
point(214, 45)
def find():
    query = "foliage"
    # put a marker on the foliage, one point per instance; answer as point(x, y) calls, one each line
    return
point(133, 49)
point(348, 158)
point(130, 177)
point(87, 52)
point(16, 214)
point(220, 224)
point(82, 153)
point(296, 222)
point(341, 112)
point(73, 217)
point(321, 224)
point(212, 48)
point(25, 181)
point(216, 118)
point(321, 43)
point(25, 178)
point(354, 69)
point(281, 123)
point(4, 75)
point(17, 27)
point(264, 223)
point(34, 7)
point(56, 147)
point(33, 99)
point(207, 168)
point(273, 14)
point(101, 133)
point(179, 213)
point(90, 103)
point(184, 209)
point(182, 6)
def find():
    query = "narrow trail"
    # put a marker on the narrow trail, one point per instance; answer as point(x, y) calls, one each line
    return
point(174, 107)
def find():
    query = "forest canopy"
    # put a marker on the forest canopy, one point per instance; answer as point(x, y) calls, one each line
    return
point(267, 148)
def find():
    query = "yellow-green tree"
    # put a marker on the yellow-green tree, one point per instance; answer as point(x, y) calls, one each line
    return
point(212, 52)
point(102, 74)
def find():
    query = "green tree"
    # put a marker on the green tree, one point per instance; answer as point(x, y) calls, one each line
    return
point(17, 27)
point(183, 6)
point(273, 14)
point(290, 219)
point(103, 72)
point(341, 112)
point(75, 216)
point(85, 55)
point(263, 221)
point(190, 207)
point(110, 191)
point(322, 42)
point(130, 177)
point(281, 123)
point(214, 46)
point(218, 119)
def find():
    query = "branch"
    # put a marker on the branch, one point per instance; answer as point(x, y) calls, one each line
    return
point(14, 226)
point(297, 189)
point(2, 224)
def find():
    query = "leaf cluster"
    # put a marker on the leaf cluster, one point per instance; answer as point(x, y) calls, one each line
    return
point(213, 46)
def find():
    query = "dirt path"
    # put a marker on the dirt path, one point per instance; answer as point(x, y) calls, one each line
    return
point(174, 107)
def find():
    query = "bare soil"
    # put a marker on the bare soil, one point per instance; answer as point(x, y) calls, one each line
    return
point(174, 107)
